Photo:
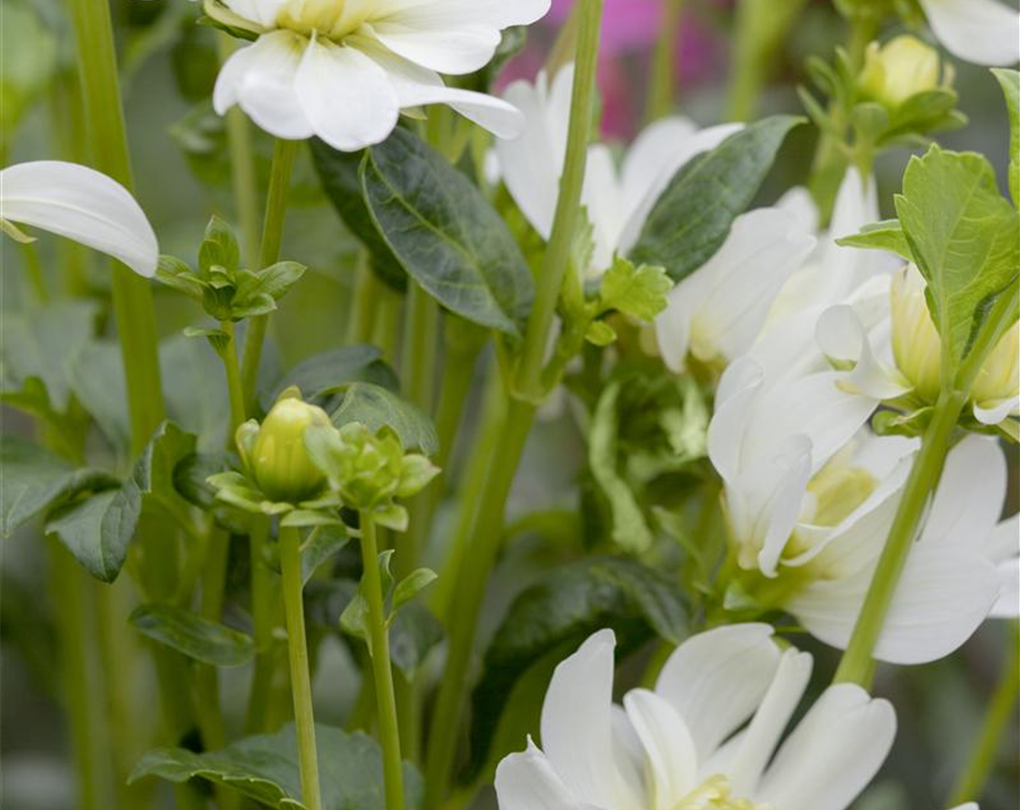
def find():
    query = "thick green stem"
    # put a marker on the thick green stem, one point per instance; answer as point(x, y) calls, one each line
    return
point(472, 578)
point(1000, 713)
point(661, 96)
point(856, 665)
point(265, 599)
point(242, 164)
point(132, 296)
point(382, 670)
point(361, 317)
point(568, 206)
point(269, 254)
point(300, 677)
point(238, 412)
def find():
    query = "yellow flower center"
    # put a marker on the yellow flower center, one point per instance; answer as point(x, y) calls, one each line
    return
point(714, 794)
point(332, 19)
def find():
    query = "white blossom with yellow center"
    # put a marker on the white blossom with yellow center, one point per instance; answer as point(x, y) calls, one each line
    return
point(708, 737)
point(344, 70)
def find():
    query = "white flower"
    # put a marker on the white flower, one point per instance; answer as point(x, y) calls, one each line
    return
point(344, 70)
point(618, 201)
point(717, 312)
point(81, 204)
point(685, 745)
point(985, 32)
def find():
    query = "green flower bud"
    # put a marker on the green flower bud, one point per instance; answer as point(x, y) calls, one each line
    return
point(902, 68)
point(277, 457)
point(915, 341)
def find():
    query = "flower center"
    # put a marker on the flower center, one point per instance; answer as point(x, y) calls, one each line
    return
point(714, 794)
point(332, 19)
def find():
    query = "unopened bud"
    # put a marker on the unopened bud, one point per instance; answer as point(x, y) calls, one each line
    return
point(916, 345)
point(901, 68)
point(279, 459)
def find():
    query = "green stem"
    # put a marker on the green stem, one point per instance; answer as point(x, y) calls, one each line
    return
point(662, 95)
point(36, 277)
point(568, 206)
point(385, 324)
point(462, 619)
point(269, 253)
point(300, 677)
point(132, 295)
point(242, 164)
point(264, 596)
point(856, 665)
point(361, 319)
point(238, 412)
point(1000, 713)
point(389, 733)
point(420, 350)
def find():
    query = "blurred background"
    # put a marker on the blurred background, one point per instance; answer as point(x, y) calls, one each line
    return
point(182, 177)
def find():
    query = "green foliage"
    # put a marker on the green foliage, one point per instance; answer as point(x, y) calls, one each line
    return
point(28, 62)
point(636, 291)
point(225, 290)
point(692, 218)
point(965, 239)
point(323, 375)
point(191, 635)
point(377, 407)
point(1010, 82)
point(446, 234)
point(559, 612)
point(36, 479)
point(886, 235)
point(265, 769)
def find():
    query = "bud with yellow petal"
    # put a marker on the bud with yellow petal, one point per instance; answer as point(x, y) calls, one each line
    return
point(903, 67)
point(275, 451)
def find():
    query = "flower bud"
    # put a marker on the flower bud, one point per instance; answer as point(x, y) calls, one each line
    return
point(279, 459)
point(999, 377)
point(902, 68)
point(915, 341)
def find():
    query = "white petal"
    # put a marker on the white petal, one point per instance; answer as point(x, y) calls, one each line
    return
point(943, 596)
point(347, 97)
point(841, 335)
point(527, 781)
point(673, 324)
point(991, 413)
point(799, 202)
point(81, 204)
point(833, 754)
point(653, 162)
point(262, 12)
point(668, 746)
point(738, 390)
point(577, 725)
point(261, 79)
point(715, 680)
point(531, 165)
point(1003, 542)
point(630, 753)
point(602, 201)
point(970, 495)
point(1007, 606)
point(455, 50)
point(985, 32)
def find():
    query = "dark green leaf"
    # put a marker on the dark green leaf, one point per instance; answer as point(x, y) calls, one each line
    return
point(97, 530)
point(35, 479)
point(323, 543)
point(566, 606)
point(190, 478)
point(265, 769)
point(965, 238)
point(376, 408)
point(330, 371)
point(97, 378)
point(193, 636)
point(692, 218)
point(188, 366)
point(446, 234)
point(413, 633)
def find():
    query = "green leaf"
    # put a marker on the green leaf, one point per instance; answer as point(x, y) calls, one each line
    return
point(41, 342)
point(188, 366)
point(630, 530)
point(965, 238)
point(155, 470)
point(692, 218)
point(414, 632)
point(340, 175)
point(219, 247)
point(376, 408)
point(411, 585)
point(193, 636)
point(324, 542)
point(97, 530)
point(886, 235)
point(600, 333)
point(636, 291)
point(446, 234)
point(97, 378)
point(265, 769)
point(1010, 82)
point(218, 339)
point(29, 59)
point(561, 610)
point(354, 619)
point(177, 275)
point(35, 479)
point(326, 373)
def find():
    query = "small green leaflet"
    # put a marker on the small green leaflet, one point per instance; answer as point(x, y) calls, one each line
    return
point(636, 291)
point(193, 636)
point(1010, 81)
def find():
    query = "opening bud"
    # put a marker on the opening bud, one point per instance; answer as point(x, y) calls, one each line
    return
point(903, 67)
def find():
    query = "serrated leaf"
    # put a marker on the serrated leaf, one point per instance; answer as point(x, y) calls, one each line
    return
point(636, 291)
point(329, 372)
point(1010, 83)
point(265, 769)
point(35, 479)
point(98, 530)
point(411, 585)
point(376, 408)
point(692, 218)
point(965, 239)
point(563, 608)
point(886, 235)
point(191, 635)
point(446, 234)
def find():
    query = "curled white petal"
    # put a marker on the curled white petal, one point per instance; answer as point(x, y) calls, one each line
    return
point(985, 32)
point(81, 204)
